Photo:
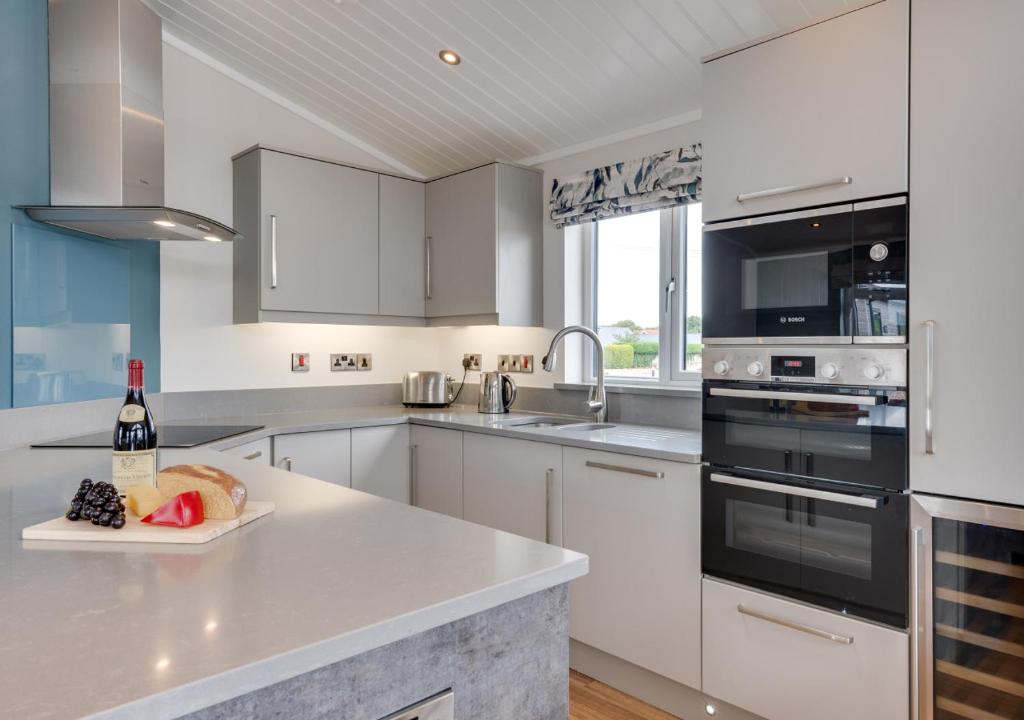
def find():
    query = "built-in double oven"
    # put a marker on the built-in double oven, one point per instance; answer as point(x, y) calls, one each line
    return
point(835, 274)
point(804, 426)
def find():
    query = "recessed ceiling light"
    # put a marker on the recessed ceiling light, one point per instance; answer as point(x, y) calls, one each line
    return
point(815, 224)
point(450, 57)
point(211, 238)
point(163, 223)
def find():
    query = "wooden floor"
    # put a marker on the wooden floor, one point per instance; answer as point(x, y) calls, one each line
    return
point(593, 700)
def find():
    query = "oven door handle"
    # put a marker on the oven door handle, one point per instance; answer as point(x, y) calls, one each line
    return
point(808, 396)
point(869, 501)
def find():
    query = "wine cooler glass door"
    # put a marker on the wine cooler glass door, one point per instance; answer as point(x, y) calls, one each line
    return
point(969, 609)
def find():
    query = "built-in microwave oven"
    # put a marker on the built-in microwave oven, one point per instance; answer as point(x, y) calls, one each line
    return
point(827, 275)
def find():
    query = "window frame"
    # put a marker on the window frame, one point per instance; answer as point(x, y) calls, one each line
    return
point(672, 326)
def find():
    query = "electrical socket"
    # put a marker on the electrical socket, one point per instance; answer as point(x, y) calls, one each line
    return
point(300, 362)
point(364, 361)
point(504, 363)
point(342, 362)
point(475, 361)
point(515, 363)
point(526, 363)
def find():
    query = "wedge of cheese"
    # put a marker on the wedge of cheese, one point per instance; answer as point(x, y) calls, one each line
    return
point(143, 499)
point(223, 494)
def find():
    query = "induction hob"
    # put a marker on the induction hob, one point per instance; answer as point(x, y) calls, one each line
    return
point(168, 436)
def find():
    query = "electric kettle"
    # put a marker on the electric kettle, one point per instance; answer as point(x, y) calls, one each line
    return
point(497, 392)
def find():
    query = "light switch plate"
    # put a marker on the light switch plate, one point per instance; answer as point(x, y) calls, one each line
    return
point(526, 363)
point(300, 362)
point(342, 362)
point(364, 361)
point(514, 363)
point(504, 363)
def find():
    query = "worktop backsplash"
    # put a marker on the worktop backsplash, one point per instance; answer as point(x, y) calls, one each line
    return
point(27, 425)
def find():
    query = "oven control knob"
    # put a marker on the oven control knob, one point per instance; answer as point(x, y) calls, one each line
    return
point(874, 372)
point(721, 367)
point(830, 371)
point(755, 368)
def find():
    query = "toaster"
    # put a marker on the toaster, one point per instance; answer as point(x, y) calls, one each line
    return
point(427, 388)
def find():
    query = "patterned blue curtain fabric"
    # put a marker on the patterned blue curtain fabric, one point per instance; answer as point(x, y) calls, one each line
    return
point(669, 178)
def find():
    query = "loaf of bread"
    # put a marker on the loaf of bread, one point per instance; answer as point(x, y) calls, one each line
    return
point(223, 494)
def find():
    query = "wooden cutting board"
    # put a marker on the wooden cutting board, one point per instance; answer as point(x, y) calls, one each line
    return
point(136, 531)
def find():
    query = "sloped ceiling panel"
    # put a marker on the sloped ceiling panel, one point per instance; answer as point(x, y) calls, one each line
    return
point(536, 75)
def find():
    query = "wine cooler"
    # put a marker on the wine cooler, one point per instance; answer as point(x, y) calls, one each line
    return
point(968, 610)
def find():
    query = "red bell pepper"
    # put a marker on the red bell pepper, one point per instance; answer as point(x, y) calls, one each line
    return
point(182, 511)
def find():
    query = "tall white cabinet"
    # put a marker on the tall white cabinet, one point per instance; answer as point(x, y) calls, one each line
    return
point(785, 120)
point(966, 248)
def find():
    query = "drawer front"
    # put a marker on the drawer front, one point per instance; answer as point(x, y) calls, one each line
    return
point(257, 451)
point(772, 657)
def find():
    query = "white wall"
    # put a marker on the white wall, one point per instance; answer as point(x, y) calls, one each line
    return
point(210, 117)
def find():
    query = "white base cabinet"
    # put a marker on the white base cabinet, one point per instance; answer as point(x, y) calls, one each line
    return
point(769, 656)
point(513, 485)
point(325, 455)
point(257, 451)
point(381, 462)
point(639, 521)
point(437, 469)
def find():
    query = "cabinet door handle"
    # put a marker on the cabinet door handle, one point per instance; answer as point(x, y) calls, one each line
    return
point(929, 386)
point(413, 500)
point(273, 251)
point(549, 481)
point(253, 456)
point(623, 469)
point(787, 189)
point(809, 629)
point(428, 252)
point(285, 463)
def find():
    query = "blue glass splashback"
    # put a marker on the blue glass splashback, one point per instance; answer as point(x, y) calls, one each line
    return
point(82, 307)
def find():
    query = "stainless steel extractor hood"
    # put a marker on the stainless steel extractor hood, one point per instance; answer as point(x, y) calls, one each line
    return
point(107, 126)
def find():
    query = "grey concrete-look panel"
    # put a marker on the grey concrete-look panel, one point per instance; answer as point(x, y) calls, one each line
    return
point(508, 663)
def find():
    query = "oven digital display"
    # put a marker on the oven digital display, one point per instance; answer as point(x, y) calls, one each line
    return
point(792, 366)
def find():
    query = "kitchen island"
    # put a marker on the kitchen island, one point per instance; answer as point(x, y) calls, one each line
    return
point(339, 604)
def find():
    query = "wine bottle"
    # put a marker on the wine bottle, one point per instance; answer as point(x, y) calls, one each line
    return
point(134, 436)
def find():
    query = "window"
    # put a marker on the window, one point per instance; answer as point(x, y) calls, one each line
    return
point(643, 295)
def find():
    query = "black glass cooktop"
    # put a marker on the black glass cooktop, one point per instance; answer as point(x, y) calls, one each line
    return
point(168, 436)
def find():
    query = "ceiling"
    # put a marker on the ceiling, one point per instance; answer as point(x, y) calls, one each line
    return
point(538, 77)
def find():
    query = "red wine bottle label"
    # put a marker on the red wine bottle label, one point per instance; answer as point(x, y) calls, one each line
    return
point(132, 413)
point(136, 467)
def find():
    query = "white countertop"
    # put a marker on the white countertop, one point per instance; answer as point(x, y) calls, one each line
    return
point(156, 631)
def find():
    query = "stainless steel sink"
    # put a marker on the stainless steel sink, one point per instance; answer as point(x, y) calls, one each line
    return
point(586, 427)
point(546, 423)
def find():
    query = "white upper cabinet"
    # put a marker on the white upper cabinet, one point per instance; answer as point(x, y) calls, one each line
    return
point(310, 242)
point(639, 522)
point(402, 251)
point(805, 110)
point(484, 248)
point(966, 248)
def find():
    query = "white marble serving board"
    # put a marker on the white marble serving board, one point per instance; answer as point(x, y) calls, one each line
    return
point(136, 531)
